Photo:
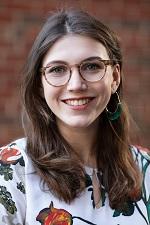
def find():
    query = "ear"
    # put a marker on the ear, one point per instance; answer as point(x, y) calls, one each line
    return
point(116, 78)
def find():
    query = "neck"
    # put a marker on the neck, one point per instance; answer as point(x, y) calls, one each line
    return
point(82, 140)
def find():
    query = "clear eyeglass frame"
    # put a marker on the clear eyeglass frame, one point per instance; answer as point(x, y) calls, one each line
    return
point(78, 66)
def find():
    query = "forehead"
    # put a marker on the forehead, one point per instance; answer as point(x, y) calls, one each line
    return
point(74, 48)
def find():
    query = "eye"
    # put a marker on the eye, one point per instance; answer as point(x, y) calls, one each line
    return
point(56, 70)
point(92, 67)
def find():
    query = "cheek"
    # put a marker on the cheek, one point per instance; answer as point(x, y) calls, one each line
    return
point(104, 94)
point(104, 87)
point(106, 84)
point(50, 97)
point(50, 94)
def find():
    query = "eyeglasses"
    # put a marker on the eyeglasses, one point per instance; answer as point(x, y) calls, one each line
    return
point(58, 73)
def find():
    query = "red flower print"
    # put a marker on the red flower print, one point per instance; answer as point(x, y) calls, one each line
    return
point(53, 216)
point(10, 155)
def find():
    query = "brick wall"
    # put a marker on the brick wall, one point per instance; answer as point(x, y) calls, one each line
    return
point(20, 21)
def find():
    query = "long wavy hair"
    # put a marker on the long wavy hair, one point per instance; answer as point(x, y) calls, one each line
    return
point(54, 159)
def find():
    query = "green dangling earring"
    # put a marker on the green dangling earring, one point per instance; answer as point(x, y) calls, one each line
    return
point(116, 114)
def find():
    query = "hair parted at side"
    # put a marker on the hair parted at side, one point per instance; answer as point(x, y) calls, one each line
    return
point(55, 161)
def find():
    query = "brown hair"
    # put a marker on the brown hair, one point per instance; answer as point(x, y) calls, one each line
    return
point(55, 161)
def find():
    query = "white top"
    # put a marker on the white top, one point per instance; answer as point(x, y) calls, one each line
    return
point(22, 201)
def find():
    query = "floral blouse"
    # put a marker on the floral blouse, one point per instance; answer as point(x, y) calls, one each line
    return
point(23, 202)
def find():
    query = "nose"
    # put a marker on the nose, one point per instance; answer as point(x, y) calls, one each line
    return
point(76, 82)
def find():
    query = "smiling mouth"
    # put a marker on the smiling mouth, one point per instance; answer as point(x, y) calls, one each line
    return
point(77, 102)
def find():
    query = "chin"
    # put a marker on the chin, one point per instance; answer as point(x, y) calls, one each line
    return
point(79, 124)
point(76, 122)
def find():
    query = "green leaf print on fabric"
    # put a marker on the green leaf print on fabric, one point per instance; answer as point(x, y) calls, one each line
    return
point(127, 210)
point(103, 195)
point(145, 162)
point(90, 188)
point(6, 200)
point(88, 180)
point(21, 187)
point(6, 171)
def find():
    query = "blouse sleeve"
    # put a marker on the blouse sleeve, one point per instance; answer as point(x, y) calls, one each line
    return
point(142, 156)
point(145, 164)
point(12, 186)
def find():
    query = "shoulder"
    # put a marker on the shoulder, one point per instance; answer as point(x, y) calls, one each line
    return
point(141, 154)
point(14, 156)
point(12, 180)
point(13, 153)
point(142, 158)
point(12, 162)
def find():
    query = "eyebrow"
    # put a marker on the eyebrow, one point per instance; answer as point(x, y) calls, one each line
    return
point(61, 61)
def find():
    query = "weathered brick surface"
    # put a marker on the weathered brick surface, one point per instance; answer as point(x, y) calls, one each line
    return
point(20, 21)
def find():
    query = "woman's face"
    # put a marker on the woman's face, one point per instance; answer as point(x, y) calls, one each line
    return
point(79, 103)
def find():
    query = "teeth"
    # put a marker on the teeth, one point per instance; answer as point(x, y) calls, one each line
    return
point(77, 102)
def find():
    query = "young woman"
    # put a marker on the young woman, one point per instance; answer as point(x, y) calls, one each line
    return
point(76, 165)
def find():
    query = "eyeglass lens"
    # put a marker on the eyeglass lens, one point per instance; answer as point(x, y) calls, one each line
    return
point(58, 74)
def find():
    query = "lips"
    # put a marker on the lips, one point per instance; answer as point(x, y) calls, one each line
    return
point(77, 102)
